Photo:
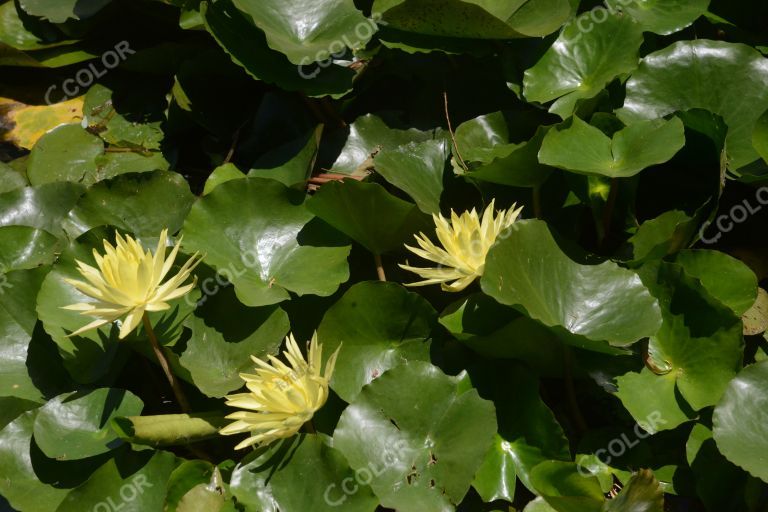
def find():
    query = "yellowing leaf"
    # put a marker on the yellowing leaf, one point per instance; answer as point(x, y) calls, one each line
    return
point(756, 318)
point(25, 124)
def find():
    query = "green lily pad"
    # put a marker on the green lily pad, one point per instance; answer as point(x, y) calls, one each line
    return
point(317, 478)
point(700, 341)
point(66, 153)
point(299, 167)
point(10, 179)
point(222, 174)
point(475, 19)
point(563, 486)
point(732, 74)
point(417, 169)
point(59, 11)
point(642, 492)
point(584, 148)
point(599, 302)
point(135, 480)
point(662, 16)
point(76, 426)
point(101, 115)
point(368, 214)
point(368, 135)
point(740, 421)
point(41, 207)
point(725, 278)
point(219, 349)
point(18, 377)
point(524, 440)
point(143, 204)
point(391, 326)
point(312, 30)
point(18, 482)
point(262, 238)
point(582, 62)
point(653, 400)
point(247, 45)
point(424, 462)
point(22, 247)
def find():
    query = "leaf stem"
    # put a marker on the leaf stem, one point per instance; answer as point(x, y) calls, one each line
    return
point(609, 207)
point(450, 130)
point(181, 398)
point(379, 267)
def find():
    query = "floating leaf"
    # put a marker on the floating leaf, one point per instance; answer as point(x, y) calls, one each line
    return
point(317, 478)
point(367, 213)
point(583, 61)
point(725, 278)
point(76, 426)
point(653, 400)
point(642, 492)
point(18, 482)
point(102, 116)
point(18, 376)
point(584, 148)
point(368, 135)
point(598, 302)
point(424, 462)
point(143, 204)
point(257, 233)
point(59, 11)
point(247, 45)
point(219, 349)
point(391, 327)
point(30, 122)
point(10, 179)
point(662, 16)
point(740, 421)
point(474, 18)
point(298, 168)
point(563, 486)
point(22, 247)
point(222, 174)
point(417, 169)
point(523, 441)
point(310, 30)
point(140, 476)
point(41, 207)
point(700, 340)
point(732, 74)
point(67, 153)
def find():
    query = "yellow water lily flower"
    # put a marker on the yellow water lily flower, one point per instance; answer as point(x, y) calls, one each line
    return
point(127, 283)
point(466, 240)
point(281, 398)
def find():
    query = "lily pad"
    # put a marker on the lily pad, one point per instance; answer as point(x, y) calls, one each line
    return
point(368, 214)
point(67, 153)
point(259, 235)
point(424, 462)
point(76, 426)
point(392, 326)
point(600, 302)
point(732, 74)
point(584, 148)
point(741, 421)
point(584, 59)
